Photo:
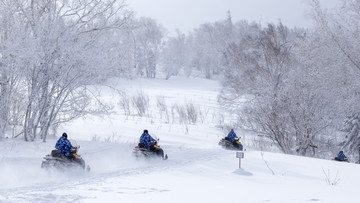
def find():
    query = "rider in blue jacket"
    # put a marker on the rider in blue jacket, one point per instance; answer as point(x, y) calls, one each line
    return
point(146, 139)
point(232, 136)
point(64, 145)
point(341, 157)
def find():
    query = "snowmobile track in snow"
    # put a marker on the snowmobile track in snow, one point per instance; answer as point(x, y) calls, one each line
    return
point(40, 192)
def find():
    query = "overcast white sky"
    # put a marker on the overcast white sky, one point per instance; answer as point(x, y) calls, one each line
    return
point(189, 14)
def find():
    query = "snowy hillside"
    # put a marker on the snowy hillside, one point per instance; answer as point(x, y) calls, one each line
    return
point(197, 170)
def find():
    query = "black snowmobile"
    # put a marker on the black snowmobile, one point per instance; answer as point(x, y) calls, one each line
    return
point(341, 157)
point(345, 160)
point(141, 150)
point(59, 161)
point(228, 144)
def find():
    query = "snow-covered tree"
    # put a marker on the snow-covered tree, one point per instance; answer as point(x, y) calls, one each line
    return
point(148, 39)
point(57, 47)
point(11, 45)
point(210, 42)
point(336, 44)
point(199, 52)
point(175, 55)
point(261, 85)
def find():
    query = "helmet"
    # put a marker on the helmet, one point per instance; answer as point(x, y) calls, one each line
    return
point(146, 131)
point(64, 135)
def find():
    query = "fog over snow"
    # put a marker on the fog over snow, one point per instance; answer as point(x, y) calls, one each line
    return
point(187, 15)
point(197, 170)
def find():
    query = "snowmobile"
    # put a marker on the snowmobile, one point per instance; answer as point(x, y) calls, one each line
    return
point(59, 161)
point(341, 157)
point(228, 144)
point(345, 160)
point(141, 150)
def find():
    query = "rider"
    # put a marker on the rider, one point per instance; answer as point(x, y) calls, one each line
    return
point(341, 157)
point(232, 137)
point(146, 141)
point(64, 146)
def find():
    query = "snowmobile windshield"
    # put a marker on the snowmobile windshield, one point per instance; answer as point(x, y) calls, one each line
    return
point(155, 137)
point(73, 142)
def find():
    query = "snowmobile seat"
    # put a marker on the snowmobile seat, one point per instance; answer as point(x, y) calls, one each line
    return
point(142, 145)
point(56, 153)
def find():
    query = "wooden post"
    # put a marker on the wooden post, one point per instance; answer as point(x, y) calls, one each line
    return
point(240, 155)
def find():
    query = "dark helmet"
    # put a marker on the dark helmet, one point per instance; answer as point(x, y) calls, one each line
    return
point(64, 135)
point(146, 131)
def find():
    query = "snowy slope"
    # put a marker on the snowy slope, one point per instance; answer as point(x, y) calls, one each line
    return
point(198, 170)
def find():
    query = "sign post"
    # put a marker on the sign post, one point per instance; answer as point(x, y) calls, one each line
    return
point(240, 155)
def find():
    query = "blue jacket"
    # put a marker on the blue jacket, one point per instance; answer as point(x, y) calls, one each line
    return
point(232, 135)
point(341, 156)
point(64, 146)
point(146, 139)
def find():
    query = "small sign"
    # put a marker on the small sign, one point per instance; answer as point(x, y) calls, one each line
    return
point(239, 154)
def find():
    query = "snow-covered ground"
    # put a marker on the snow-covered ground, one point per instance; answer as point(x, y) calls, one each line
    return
point(197, 170)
